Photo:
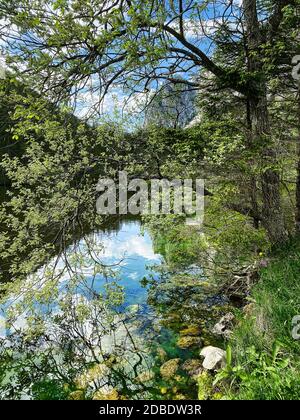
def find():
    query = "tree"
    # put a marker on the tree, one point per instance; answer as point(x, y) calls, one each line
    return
point(67, 46)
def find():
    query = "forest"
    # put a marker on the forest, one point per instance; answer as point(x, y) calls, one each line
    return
point(138, 304)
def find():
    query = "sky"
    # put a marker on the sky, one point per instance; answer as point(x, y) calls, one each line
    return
point(116, 100)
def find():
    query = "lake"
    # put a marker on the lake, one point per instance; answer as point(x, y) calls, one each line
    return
point(109, 316)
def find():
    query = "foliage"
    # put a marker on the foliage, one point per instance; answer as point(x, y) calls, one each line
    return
point(265, 355)
point(263, 376)
point(243, 143)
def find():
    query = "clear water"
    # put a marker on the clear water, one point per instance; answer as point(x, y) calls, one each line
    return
point(127, 252)
point(132, 331)
point(131, 251)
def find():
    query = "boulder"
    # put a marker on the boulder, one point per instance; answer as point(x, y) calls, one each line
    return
point(214, 358)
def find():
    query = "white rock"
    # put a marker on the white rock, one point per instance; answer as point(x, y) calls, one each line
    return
point(214, 357)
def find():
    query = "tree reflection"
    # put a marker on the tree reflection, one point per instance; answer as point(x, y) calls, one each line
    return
point(68, 335)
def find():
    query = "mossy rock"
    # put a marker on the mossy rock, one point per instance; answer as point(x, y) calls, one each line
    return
point(95, 373)
point(108, 395)
point(180, 397)
point(162, 354)
point(169, 369)
point(192, 330)
point(186, 342)
point(145, 376)
point(193, 367)
point(77, 395)
point(173, 318)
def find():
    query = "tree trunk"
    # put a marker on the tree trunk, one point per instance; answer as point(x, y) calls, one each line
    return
point(298, 171)
point(253, 190)
point(272, 215)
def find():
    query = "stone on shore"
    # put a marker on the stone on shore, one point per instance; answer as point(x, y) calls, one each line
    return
point(224, 326)
point(214, 358)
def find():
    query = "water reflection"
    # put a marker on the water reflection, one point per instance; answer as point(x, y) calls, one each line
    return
point(104, 320)
point(132, 254)
point(85, 316)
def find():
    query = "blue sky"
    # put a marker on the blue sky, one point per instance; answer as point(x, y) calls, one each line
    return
point(116, 98)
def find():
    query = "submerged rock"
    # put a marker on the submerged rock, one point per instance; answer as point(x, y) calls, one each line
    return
point(193, 367)
point(96, 373)
point(106, 393)
point(169, 368)
point(188, 341)
point(162, 354)
point(224, 326)
point(133, 309)
point(145, 376)
point(77, 395)
point(157, 327)
point(214, 357)
point(193, 330)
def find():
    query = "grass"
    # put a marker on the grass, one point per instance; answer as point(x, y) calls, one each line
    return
point(276, 300)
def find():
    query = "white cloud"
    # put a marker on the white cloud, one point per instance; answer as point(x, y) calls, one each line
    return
point(194, 29)
point(130, 247)
point(7, 29)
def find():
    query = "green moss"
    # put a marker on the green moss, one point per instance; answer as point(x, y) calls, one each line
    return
point(77, 395)
point(205, 387)
point(169, 369)
point(188, 341)
point(192, 330)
